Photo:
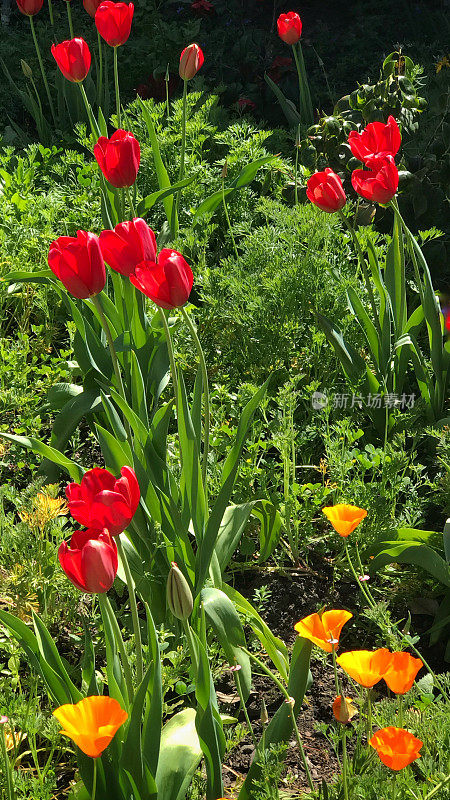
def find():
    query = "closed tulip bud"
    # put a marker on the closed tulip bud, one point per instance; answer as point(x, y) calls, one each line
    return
point(29, 7)
point(179, 595)
point(26, 69)
point(191, 60)
point(289, 27)
point(325, 190)
point(73, 58)
point(78, 263)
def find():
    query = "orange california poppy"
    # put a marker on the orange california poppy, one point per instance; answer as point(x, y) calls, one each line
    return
point(343, 709)
point(402, 672)
point(92, 723)
point(323, 630)
point(366, 667)
point(396, 747)
point(344, 518)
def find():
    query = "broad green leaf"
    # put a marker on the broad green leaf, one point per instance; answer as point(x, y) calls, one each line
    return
point(74, 470)
point(191, 486)
point(179, 757)
point(289, 110)
point(228, 627)
point(161, 171)
point(148, 202)
point(410, 552)
point(366, 324)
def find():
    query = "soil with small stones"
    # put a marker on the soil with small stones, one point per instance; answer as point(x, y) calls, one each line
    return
point(293, 596)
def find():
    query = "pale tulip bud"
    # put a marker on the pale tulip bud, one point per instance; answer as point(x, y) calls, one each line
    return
point(26, 69)
point(179, 595)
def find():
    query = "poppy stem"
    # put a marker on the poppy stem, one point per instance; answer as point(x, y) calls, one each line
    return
point(204, 371)
point(369, 715)
point(288, 699)
point(108, 613)
point(94, 781)
point(437, 788)
point(336, 677)
point(115, 362)
point(42, 68)
point(116, 84)
point(134, 611)
point(69, 17)
point(344, 763)
point(367, 596)
point(173, 369)
point(10, 794)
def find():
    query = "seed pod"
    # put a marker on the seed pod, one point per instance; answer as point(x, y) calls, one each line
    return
point(179, 595)
point(26, 69)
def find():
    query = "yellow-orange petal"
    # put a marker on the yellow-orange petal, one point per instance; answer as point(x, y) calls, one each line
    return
point(343, 709)
point(396, 747)
point(402, 672)
point(366, 667)
point(92, 723)
point(344, 518)
point(323, 630)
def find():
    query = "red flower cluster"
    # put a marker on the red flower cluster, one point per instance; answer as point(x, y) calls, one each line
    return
point(376, 147)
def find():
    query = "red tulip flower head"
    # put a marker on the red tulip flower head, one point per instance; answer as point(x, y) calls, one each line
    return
point(168, 282)
point(446, 313)
point(325, 190)
point(191, 60)
point(289, 27)
point(29, 7)
point(102, 501)
point(90, 561)
point(113, 22)
point(78, 263)
point(91, 6)
point(118, 158)
point(378, 185)
point(127, 245)
point(376, 142)
point(73, 58)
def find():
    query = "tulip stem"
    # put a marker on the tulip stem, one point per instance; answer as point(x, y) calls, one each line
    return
point(173, 369)
point(288, 700)
point(116, 83)
point(106, 608)
point(183, 145)
point(134, 611)
point(94, 780)
point(50, 11)
point(69, 17)
point(130, 201)
point(100, 71)
point(204, 371)
point(42, 68)
point(115, 362)
point(94, 126)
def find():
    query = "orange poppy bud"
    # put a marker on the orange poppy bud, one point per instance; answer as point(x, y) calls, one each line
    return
point(396, 747)
point(343, 709)
point(344, 518)
point(364, 666)
point(323, 630)
point(402, 672)
point(92, 723)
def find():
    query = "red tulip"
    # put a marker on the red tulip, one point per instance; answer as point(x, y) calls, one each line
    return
point(379, 185)
point(91, 6)
point(325, 190)
point(127, 245)
point(113, 22)
point(29, 7)
point(78, 263)
point(90, 561)
point(376, 142)
point(118, 158)
point(102, 501)
point(446, 313)
point(73, 58)
point(191, 60)
point(289, 27)
point(168, 282)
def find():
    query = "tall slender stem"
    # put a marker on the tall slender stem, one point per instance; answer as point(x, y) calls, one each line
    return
point(114, 359)
point(108, 612)
point(69, 17)
point(300, 95)
point(191, 645)
point(344, 763)
point(134, 611)
point(437, 788)
point(305, 85)
point(130, 201)
point(42, 68)
point(92, 121)
point(50, 11)
point(365, 592)
point(183, 144)
point(100, 70)
point(244, 707)
point(369, 715)
point(204, 370)
point(365, 273)
point(116, 84)
point(173, 369)
point(288, 699)
point(94, 781)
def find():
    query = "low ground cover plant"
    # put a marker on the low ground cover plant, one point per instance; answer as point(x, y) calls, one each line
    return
point(214, 311)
